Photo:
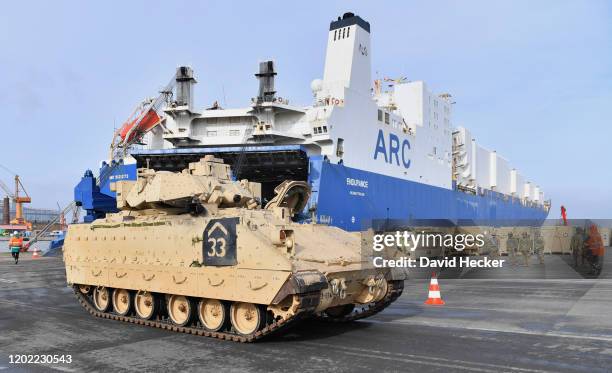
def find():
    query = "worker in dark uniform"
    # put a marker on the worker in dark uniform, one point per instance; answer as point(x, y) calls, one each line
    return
point(594, 249)
point(525, 247)
point(15, 245)
point(538, 246)
point(512, 248)
point(494, 242)
point(577, 246)
point(490, 245)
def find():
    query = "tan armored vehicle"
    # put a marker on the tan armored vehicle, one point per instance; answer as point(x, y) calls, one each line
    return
point(194, 252)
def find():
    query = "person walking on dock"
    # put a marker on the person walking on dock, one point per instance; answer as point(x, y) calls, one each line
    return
point(594, 249)
point(15, 245)
point(512, 247)
point(577, 247)
point(538, 245)
point(525, 247)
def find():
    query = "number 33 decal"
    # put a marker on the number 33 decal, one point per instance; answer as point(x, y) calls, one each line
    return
point(217, 246)
point(219, 242)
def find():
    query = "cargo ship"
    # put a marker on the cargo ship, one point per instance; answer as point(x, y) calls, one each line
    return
point(370, 149)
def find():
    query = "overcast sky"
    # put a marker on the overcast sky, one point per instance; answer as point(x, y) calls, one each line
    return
point(532, 79)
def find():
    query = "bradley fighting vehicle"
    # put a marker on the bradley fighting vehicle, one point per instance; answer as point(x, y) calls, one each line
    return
point(194, 251)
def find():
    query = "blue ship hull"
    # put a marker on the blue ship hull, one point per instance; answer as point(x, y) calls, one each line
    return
point(345, 197)
point(354, 207)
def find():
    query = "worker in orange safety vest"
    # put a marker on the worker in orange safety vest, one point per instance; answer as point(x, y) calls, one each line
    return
point(595, 247)
point(15, 245)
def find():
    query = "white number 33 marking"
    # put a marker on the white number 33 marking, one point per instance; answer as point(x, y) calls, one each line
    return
point(217, 247)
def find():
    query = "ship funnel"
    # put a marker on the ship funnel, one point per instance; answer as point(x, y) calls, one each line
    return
point(184, 86)
point(266, 82)
point(347, 60)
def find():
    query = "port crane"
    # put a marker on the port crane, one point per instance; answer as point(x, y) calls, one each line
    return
point(18, 199)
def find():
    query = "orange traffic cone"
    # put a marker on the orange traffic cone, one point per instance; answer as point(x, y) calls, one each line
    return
point(36, 254)
point(434, 293)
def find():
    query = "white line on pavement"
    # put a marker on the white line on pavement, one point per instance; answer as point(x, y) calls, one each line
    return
point(525, 332)
point(423, 359)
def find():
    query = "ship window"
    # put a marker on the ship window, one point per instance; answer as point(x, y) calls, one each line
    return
point(211, 133)
point(325, 129)
point(343, 32)
point(387, 118)
point(340, 148)
point(235, 120)
point(348, 30)
point(234, 132)
point(380, 116)
point(335, 32)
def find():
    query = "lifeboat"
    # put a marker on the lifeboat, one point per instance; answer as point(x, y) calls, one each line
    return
point(143, 123)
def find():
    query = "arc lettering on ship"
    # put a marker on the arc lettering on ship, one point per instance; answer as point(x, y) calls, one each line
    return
point(395, 153)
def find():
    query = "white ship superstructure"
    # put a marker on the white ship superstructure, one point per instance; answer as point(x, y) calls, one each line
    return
point(374, 136)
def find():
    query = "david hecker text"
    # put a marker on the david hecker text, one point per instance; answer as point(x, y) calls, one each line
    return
point(424, 262)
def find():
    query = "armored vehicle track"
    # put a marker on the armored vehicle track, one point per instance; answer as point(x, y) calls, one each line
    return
point(307, 304)
point(303, 309)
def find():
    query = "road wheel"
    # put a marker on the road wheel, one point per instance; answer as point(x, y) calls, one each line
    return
point(122, 301)
point(85, 289)
point(212, 314)
point(247, 318)
point(146, 305)
point(180, 309)
point(102, 298)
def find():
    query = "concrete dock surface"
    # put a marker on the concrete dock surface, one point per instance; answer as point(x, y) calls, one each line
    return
point(487, 325)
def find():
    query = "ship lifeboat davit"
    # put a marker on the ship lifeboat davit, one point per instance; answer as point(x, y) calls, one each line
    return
point(142, 124)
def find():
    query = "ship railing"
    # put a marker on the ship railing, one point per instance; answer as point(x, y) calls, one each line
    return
point(48, 226)
point(242, 153)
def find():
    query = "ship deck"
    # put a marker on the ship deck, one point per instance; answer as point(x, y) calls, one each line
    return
point(268, 165)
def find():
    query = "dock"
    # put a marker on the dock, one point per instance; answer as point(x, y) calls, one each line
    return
point(487, 325)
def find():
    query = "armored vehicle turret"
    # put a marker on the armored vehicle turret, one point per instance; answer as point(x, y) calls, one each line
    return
point(195, 252)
